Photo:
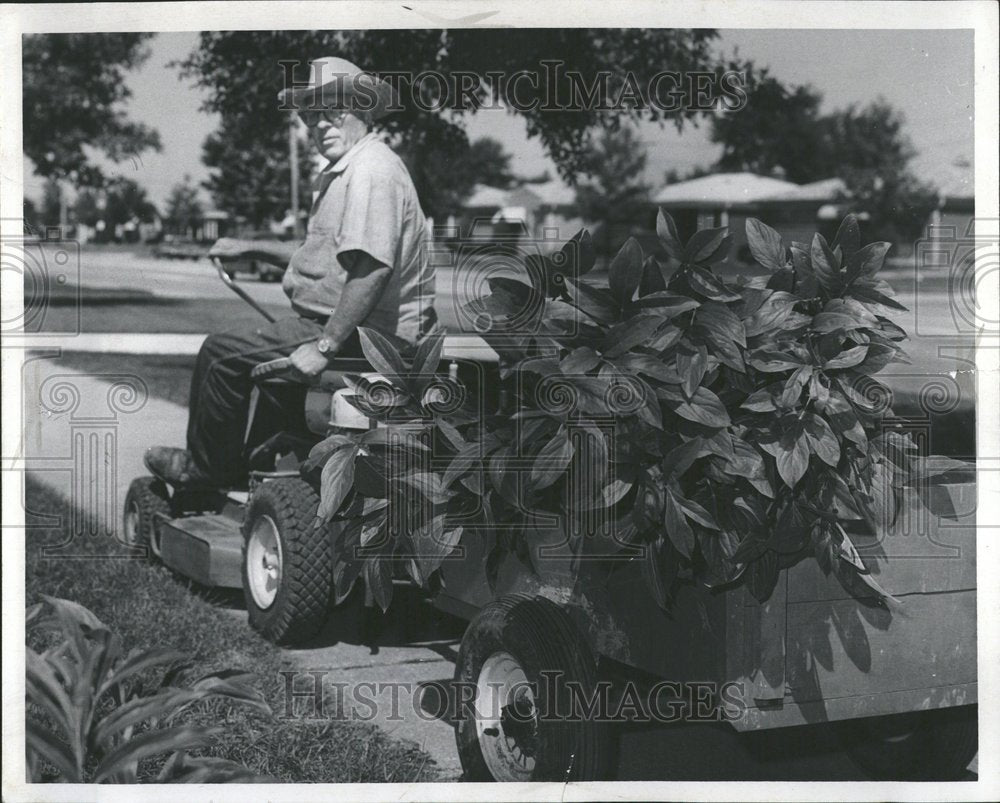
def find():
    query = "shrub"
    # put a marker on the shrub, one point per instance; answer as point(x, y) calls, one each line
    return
point(748, 428)
point(92, 719)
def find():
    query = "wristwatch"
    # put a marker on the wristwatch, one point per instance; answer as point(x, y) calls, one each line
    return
point(324, 345)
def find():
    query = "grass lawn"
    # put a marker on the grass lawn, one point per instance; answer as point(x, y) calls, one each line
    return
point(147, 606)
point(135, 311)
point(167, 377)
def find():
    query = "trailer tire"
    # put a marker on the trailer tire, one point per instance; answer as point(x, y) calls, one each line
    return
point(288, 588)
point(146, 497)
point(512, 641)
point(917, 746)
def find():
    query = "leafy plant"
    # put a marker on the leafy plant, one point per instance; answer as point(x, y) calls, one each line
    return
point(734, 427)
point(92, 719)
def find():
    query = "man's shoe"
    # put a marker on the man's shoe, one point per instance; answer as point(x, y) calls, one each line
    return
point(176, 467)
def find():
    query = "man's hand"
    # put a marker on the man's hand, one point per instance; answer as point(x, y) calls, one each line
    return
point(228, 248)
point(309, 360)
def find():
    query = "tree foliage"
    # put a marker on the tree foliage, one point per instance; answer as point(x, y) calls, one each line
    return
point(183, 208)
point(73, 87)
point(242, 74)
point(783, 131)
point(614, 191)
point(748, 431)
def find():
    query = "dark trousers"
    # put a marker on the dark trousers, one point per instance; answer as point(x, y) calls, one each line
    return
point(221, 386)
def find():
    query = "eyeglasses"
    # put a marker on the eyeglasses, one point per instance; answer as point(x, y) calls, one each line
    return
point(312, 117)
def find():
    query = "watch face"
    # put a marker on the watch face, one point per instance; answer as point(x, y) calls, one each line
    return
point(323, 344)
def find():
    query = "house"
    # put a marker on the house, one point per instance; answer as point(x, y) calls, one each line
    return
point(544, 210)
point(728, 199)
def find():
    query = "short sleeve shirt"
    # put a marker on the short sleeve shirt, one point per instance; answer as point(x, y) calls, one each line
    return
point(366, 201)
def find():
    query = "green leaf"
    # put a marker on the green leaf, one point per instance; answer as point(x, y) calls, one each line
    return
point(678, 530)
point(848, 359)
point(668, 304)
point(824, 264)
point(625, 271)
point(152, 743)
point(762, 401)
point(579, 361)
point(773, 362)
point(704, 244)
point(378, 577)
point(865, 292)
point(848, 237)
point(382, 355)
point(793, 459)
point(765, 245)
point(429, 485)
point(697, 513)
point(823, 443)
point(432, 543)
point(653, 574)
point(666, 230)
point(776, 313)
point(652, 277)
point(719, 324)
point(703, 408)
point(552, 459)
point(45, 745)
point(692, 363)
point(426, 361)
point(679, 459)
point(868, 261)
point(709, 285)
point(843, 419)
point(648, 365)
point(631, 333)
point(827, 322)
point(336, 481)
point(793, 387)
point(593, 302)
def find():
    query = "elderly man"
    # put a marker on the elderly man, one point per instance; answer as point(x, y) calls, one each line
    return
point(363, 263)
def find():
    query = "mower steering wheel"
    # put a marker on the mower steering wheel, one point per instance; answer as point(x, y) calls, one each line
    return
point(271, 368)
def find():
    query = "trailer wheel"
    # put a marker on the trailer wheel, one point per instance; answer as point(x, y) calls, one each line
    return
point(146, 497)
point(917, 746)
point(521, 725)
point(287, 567)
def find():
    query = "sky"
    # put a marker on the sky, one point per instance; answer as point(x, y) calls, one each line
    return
point(925, 74)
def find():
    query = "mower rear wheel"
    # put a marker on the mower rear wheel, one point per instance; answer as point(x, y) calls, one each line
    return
point(146, 497)
point(287, 562)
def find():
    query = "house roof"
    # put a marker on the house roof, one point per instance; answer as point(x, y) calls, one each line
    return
point(722, 189)
point(548, 193)
point(827, 190)
point(486, 196)
point(553, 193)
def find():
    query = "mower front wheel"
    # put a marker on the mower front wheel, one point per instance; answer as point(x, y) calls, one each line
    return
point(287, 568)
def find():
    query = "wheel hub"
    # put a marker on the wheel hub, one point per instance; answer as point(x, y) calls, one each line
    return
point(506, 719)
point(264, 562)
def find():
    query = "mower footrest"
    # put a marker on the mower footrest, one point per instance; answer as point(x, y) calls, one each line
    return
point(208, 549)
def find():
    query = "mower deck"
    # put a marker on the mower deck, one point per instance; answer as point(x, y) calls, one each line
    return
point(206, 548)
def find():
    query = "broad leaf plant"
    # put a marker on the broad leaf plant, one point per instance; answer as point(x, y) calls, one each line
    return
point(731, 427)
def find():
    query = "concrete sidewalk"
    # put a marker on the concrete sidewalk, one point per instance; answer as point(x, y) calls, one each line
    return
point(85, 436)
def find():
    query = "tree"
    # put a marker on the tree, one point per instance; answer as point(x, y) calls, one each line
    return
point(73, 86)
point(781, 131)
point(780, 128)
point(52, 196)
point(250, 176)
point(615, 193)
point(241, 72)
point(449, 177)
point(183, 206)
